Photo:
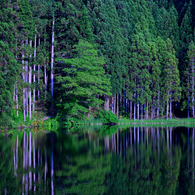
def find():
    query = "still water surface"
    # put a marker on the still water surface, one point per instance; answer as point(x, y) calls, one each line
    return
point(125, 161)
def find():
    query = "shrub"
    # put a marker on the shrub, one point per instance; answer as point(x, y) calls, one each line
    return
point(108, 117)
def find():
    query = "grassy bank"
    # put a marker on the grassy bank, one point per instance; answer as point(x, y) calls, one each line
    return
point(39, 120)
point(174, 121)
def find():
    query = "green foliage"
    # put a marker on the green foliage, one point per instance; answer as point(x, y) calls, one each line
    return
point(108, 117)
point(83, 78)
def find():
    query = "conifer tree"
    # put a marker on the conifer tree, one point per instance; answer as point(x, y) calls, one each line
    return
point(8, 65)
point(83, 79)
point(171, 80)
point(191, 56)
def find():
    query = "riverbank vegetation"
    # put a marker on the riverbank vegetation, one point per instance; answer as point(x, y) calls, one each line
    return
point(76, 58)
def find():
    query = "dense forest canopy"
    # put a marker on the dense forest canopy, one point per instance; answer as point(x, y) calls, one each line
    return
point(132, 57)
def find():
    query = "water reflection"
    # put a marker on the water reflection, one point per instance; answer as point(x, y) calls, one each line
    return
point(135, 160)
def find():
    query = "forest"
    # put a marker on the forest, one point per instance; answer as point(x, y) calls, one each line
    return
point(78, 58)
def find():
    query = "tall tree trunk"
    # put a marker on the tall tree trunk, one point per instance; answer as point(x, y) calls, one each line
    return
point(113, 105)
point(158, 105)
point(188, 105)
point(120, 103)
point(193, 86)
point(141, 110)
point(170, 107)
point(167, 105)
point(30, 80)
point(117, 106)
point(134, 104)
point(23, 76)
point(45, 70)
point(34, 68)
point(138, 110)
point(152, 109)
point(39, 43)
point(130, 109)
point(16, 100)
point(126, 107)
point(108, 103)
point(16, 87)
point(52, 59)
point(26, 80)
point(147, 110)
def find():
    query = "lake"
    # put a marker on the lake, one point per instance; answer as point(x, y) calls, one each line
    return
point(133, 160)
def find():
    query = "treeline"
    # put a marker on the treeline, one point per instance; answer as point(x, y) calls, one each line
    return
point(133, 56)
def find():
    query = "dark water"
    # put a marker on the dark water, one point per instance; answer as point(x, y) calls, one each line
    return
point(112, 161)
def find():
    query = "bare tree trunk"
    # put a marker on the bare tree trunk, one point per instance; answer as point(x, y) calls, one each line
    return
point(30, 80)
point(167, 105)
point(45, 71)
point(117, 107)
point(23, 76)
point(130, 109)
point(34, 68)
point(16, 100)
point(126, 107)
point(112, 104)
point(147, 109)
point(170, 107)
point(158, 105)
point(193, 86)
point(39, 43)
point(138, 110)
point(134, 104)
point(26, 80)
point(108, 104)
point(120, 106)
point(52, 57)
point(152, 109)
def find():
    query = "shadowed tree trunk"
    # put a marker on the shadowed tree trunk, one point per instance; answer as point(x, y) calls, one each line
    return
point(34, 68)
point(130, 109)
point(170, 107)
point(117, 106)
point(39, 43)
point(193, 86)
point(30, 80)
point(23, 77)
point(26, 80)
point(167, 105)
point(52, 57)
point(45, 70)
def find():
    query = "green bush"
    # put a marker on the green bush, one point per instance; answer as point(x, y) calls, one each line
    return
point(108, 117)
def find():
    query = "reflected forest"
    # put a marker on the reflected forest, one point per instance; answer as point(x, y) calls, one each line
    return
point(141, 160)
